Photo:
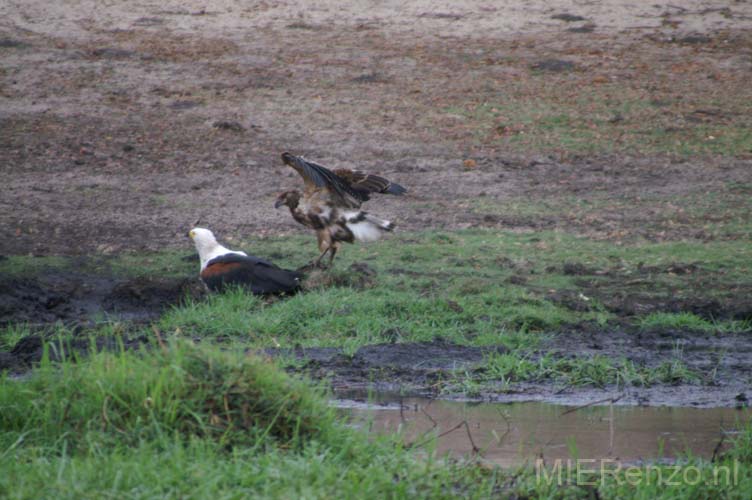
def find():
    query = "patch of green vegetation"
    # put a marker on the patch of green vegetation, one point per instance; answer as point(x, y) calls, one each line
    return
point(720, 214)
point(182, 390)
point(499, 371)
point(687, 321)
point(169, 264)
point(11, 334)
point(604, 119)
point(473, 287)
point(184, 421)
point(22, 265)
point(438, 284)
point(178, 421)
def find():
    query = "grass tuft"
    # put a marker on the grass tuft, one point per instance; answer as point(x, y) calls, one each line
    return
point(185, 390)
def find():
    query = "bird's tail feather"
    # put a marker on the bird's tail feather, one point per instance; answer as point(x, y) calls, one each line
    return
point(366, 227)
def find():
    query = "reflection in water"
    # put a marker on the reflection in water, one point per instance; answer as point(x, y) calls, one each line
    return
point(509, 434)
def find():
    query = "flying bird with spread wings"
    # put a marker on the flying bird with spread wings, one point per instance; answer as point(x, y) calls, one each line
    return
point(221, 266)
point(330, 204)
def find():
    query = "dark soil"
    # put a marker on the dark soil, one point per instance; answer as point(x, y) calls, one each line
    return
point(29, 350)
point(641, 291)
point(74, 298)
point(123, 126)
point(413, 366)
point(723, 361)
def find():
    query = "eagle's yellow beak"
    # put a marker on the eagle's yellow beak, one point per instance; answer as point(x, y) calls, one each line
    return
point(191, 234)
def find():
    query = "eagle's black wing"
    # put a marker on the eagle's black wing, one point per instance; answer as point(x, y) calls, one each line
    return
point(261, 276)
point(364, 184)
point(319, 176)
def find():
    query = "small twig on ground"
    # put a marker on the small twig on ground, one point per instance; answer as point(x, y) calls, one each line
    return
point(159, 338)
point(476, 450)
point(677, 7)
point(562, 389)
point(717, 448)
point(499, 440)
point(434, 424)
point(424, 442)
point(606, 400)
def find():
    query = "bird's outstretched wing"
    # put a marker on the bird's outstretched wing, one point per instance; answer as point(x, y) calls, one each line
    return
point(261, 276)
point(315, 175)
point(352, 187)
point(365, 184)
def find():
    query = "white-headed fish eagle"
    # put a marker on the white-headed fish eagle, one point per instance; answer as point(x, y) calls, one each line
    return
point(221, 266)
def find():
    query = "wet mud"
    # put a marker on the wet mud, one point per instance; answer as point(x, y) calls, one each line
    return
point(724, 363)
point(81, 299)
point(415, 367)
point(427, 369)
point(642, 291)
point(30, 350)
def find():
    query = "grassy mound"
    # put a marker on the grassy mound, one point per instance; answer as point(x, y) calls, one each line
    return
point(188, 421)
point(183, 390)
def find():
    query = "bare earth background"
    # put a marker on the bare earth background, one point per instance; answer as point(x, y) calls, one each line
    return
point(122, 123)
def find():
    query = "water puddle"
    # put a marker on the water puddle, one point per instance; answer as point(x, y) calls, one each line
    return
point(512, 433)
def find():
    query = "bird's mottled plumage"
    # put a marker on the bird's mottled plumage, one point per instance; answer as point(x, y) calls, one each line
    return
point(330, 203)
point(221, 266)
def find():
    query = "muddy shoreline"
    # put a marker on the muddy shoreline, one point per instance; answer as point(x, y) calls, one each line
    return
point(423, 369)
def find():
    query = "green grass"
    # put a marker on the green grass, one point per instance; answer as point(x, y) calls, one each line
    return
point(186, 421)
point(578, 117)
point(21, 265)
point(179, 391)
point(686, 321)
point(10, 335)
point(499, 372)
point(723, 213)
point(169, 263)
point(472, 287)
point(459, 286)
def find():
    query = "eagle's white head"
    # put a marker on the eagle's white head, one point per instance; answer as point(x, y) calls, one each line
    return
point(207, 246)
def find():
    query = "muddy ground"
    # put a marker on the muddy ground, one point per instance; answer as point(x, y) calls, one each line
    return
point(428, 368)
point(425, 368)
point(80, 301)
point(140, 118)
point(123, 125)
